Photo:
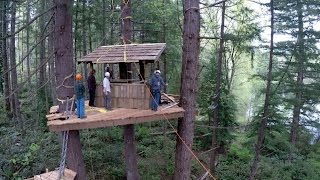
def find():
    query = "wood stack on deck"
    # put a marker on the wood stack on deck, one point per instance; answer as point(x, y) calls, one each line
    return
point(53, 175)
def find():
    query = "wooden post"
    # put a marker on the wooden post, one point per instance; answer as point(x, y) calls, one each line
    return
point(130, 148)
point(64, 74)
point(141, 67)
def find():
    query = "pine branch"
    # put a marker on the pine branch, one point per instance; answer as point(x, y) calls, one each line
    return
point(27, 80)
point(26, 25)
point(204, 37)
point(28, 53)
point(212, 5)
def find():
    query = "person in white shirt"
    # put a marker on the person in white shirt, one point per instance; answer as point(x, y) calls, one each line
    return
point(107, 90)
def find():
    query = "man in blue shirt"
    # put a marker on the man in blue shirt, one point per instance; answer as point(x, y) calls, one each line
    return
point(155, 85)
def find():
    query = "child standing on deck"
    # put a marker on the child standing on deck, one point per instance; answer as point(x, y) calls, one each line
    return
point(79, 90)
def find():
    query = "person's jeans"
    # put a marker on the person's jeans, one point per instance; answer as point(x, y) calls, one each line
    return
point(108, 101)
point(91, 97)
point(155, 99)
point(80, 108)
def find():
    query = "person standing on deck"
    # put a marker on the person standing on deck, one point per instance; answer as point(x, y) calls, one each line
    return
point(107, 90)
point(80, 90)
point(92, 87)
point(155, 85)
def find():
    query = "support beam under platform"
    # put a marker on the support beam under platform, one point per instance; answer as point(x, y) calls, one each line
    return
point(99, 118)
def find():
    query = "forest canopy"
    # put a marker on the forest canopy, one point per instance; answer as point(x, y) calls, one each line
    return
point(247, 73)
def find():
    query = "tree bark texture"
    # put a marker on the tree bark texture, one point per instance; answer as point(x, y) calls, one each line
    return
point(164, 33)
point(84, 41)
point(42, 51)
point(189, 85)
point(52, 61)
point(27, 40)
point(63, 47)
point(126, 34)
point(265, 115)
point(129, 136)
point(4, 56)
point(1, 48)
point(130, 153)
point(104, 32)
point(298, 95)
point(14, 78)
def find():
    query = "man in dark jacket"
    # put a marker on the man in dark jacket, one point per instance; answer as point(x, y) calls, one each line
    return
point(92, 87)
point(155, 85)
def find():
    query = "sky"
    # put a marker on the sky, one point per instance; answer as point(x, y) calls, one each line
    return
point(264, 20)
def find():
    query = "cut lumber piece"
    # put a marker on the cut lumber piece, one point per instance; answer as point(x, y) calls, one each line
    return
point(170, 106)
point(60, 116)
point(170, 98)
point(53, 175)
point(54, 109)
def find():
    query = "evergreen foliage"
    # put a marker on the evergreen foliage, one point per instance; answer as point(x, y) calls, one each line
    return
point(28, 148)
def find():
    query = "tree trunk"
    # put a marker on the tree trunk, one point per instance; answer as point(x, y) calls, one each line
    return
point(4, 57)
point(90, 32)
point(64, 74)
point(84, 40)
point(27, 40)
point(298, 96)
point(84, 30)
point(216, 98)
point(189, 88)
point(104, 33)
point(14, 78)
point(164, 31)
point(2, 34)
point(129, 140)
point(265, 115)
point(130, 153)
point(42, 70)
point(126, 32)
point(52, 60)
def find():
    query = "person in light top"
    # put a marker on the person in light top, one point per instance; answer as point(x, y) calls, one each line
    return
point(107, 90)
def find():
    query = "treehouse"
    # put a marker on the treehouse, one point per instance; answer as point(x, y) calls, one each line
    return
point(130, 66)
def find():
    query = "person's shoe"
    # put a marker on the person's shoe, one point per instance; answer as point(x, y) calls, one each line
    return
point(83, 117)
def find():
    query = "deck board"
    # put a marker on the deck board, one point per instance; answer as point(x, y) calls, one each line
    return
point(99, 118)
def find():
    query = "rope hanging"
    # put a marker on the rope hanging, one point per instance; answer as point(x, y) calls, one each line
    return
point(176, 131)
point(65, 139)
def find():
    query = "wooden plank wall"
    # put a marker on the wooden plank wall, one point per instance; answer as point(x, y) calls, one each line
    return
point(132, 96)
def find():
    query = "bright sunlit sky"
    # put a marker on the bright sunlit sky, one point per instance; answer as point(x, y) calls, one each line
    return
point(264, 20)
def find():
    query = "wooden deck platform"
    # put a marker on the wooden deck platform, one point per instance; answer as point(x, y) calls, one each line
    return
point(100, 117)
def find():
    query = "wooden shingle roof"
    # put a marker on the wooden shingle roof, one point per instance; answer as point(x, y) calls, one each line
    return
point(125, 53)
